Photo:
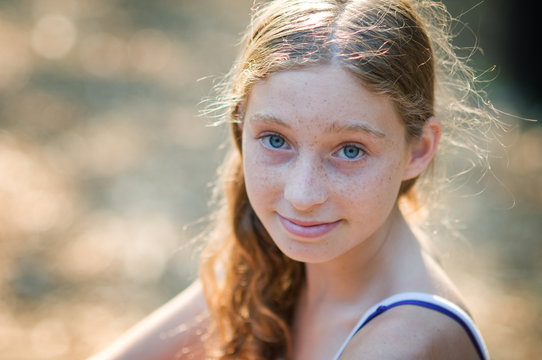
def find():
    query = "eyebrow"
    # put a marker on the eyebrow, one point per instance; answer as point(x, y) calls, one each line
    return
point(334, 127)
point(270, 119)
point(357, 127)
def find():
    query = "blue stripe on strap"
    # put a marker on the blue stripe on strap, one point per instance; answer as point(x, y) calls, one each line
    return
point(425, 304)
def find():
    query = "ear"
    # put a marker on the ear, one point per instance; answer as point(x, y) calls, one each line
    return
point(423, 149)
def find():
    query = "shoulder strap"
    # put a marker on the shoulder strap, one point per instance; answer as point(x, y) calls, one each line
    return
point(429, 301)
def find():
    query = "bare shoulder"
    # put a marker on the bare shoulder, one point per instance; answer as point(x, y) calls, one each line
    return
point(411, 332)
point(172, 331)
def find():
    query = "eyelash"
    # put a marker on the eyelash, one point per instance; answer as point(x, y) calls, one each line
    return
point(360, 152)
point(267, 138)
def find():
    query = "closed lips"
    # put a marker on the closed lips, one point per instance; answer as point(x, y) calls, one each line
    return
point(307, 229)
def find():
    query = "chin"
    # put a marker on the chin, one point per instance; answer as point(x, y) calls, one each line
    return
point(310, 253)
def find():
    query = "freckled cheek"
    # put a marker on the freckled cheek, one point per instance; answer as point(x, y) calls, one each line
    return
point(262, 181)
point(365, 190)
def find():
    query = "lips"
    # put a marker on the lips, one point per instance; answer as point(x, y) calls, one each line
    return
point(307, 229)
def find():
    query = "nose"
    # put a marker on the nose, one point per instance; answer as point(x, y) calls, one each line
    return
point(304, 186)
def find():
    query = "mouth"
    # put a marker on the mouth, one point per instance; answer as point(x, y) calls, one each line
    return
point(307, 229)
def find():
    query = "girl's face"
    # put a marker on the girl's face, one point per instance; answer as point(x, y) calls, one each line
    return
point(323, 161)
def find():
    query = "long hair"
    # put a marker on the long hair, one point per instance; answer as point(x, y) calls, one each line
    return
point(397, 48)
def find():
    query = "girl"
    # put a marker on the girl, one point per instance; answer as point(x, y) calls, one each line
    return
point(337, 110)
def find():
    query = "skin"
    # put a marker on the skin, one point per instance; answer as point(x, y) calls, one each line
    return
point(323, 159)
point(318, 117)
point(171, 332)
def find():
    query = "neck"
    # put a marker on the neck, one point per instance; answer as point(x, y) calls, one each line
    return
point(369, 271)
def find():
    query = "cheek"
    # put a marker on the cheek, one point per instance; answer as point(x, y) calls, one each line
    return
point(260, 181)
point(250, 168)
point(370, 190)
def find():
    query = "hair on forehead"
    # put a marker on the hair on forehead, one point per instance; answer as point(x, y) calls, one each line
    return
point(401, 49)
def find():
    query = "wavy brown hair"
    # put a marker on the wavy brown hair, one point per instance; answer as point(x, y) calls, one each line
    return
point(394, 47)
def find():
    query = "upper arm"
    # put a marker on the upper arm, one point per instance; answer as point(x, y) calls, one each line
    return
point(408, 333)
point(172, 331)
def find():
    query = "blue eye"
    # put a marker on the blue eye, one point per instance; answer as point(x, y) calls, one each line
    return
point(350, 152)
point(274, 141)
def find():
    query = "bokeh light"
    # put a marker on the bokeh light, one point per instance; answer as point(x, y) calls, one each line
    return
point(53, 36)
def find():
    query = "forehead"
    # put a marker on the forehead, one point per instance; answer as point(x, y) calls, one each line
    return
point(321, 94)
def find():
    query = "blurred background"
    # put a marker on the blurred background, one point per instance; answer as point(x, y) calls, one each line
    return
point(105, 168)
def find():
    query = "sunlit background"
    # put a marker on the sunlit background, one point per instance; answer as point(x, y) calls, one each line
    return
point(104, 162)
